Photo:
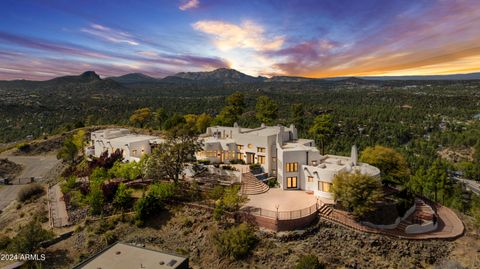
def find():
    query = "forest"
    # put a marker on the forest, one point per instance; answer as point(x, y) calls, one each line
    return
point(418, 118)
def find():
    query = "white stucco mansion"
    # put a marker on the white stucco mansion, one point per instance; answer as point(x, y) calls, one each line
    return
point(296, 163)
point(134, 146)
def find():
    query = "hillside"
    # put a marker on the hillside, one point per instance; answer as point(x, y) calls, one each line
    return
point(134, 78)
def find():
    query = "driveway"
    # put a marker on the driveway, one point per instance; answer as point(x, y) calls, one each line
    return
point(472, 184)
point(33, 166)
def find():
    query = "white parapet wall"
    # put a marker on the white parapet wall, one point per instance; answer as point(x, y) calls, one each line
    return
point(421, 228)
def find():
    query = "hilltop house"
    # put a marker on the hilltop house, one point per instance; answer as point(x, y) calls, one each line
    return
point(295, 162)
point(134, 146)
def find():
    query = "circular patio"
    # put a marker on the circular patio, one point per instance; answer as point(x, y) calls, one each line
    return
point(282, 200)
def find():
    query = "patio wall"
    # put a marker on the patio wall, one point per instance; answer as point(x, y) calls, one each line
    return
point(267, 222)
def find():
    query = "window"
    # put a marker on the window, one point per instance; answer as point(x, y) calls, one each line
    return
point(212, 153)
point(324, 186)
point(292, 167)
point(310, 179)
point(239, 156)
point(239, 147)
point(291, 182)
point(261, 159)
point(134, 152)
point(260, 149)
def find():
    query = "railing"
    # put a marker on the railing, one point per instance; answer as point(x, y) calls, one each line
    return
point(282, 215)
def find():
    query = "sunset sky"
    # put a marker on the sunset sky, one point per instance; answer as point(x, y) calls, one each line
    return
point(319, 38)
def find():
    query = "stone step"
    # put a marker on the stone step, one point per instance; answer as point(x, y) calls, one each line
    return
point(251, 185)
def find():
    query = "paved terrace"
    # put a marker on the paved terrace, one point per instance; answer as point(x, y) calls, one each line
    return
point(449, 225)
point(285, 200)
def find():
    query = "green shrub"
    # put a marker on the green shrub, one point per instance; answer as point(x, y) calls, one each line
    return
point(29, 237)
point(154, 201)
point(104, 225)
point(357, 192)
point(123, 197)
point(182, 251)
point(96, 199)
point(110, 238)
point(30, 191)
point(272, 182)
point(309, 262)
point(204, 162)
point(231, 200)
point(216, 193)
point(4, 241)
point(236, 242)
point(23, 147)
point(229, 168)
point(187, 221)
point(69, 184)
point(255, 167)
point(77, 199)
point(218, 212)
point(130, 171)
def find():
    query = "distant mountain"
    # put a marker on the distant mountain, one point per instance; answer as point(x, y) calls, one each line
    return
point(134, 78)
point(223, 75)
point(88, 81)
point(287, 79)
point(88, 76)
point(469, 76)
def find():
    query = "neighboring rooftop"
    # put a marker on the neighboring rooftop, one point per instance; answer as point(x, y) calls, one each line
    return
point(122, 135)
point(130, 138)
point(125, 256)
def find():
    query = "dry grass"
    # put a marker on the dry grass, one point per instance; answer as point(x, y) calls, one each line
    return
point(467, 248)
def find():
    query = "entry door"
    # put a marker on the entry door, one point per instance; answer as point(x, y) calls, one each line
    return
point(292, 182)
point(250, 158)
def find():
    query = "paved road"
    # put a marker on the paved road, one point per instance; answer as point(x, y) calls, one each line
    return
point(34, 166)
point(472, 184)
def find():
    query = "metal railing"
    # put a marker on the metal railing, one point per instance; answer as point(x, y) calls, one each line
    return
point(282, 215)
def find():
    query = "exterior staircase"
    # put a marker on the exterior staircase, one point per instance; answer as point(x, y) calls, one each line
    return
point(422, 213)
point(251, 185)
point(325, 210)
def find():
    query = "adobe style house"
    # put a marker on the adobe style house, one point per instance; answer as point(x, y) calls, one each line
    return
point(134, 146)
point(296, 163)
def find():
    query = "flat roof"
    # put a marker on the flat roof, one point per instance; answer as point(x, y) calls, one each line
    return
point(129, 138)
point(126, 256)
point(299, 144)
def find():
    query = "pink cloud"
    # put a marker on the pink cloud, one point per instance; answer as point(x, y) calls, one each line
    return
point(189, 5)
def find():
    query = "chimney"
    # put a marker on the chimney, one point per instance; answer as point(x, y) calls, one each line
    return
point(235, 125)
point(280, 135)
point(354, 155)
point(294, 132)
